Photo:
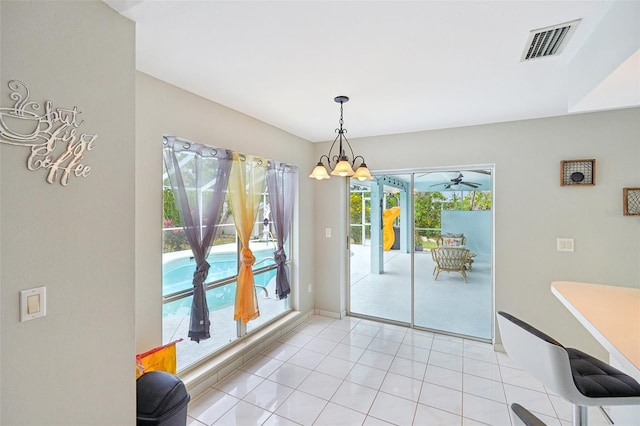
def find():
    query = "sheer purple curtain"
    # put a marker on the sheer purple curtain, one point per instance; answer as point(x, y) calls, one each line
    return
point(281, 181)
point(198, 175)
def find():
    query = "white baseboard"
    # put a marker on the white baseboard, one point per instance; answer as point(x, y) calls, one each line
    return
point(329, 314)
point(200, 378)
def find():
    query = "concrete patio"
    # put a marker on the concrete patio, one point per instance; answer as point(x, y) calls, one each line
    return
point(449, 304)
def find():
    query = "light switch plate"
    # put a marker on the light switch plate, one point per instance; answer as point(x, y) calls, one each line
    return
point(564, 244)
point(33, 303)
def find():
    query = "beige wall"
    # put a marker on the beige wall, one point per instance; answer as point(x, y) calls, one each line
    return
point(162, 109)
point(79, 240)
point(74, 366)
point(531, 208)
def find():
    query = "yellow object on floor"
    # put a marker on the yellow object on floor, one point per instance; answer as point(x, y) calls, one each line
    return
point(162, 358)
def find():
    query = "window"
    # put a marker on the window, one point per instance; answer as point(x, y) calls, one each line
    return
point(224, 258)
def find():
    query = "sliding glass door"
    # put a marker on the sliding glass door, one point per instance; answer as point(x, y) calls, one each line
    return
point(380, 261)
point(421, 250)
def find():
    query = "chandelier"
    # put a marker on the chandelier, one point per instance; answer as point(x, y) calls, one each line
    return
point(339, 162)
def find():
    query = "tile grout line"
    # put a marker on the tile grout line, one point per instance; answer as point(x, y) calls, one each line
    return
point(379, 334)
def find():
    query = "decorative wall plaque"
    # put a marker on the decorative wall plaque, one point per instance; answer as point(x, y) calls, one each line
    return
point(631, 198)
point(51, 133)
point(577, 172)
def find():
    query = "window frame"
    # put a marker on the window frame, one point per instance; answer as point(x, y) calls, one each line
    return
point(241, 329)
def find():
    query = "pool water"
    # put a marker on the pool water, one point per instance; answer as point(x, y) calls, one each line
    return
point(177, 274)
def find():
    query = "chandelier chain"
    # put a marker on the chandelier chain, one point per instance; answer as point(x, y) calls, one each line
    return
point(341, 122)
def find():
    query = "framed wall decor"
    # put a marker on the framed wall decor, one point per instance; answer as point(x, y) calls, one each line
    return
point(578, 172)
point(631, 198)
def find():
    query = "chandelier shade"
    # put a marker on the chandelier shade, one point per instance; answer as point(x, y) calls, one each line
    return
point(363, 173)
point(343, 168)
point(319, 172)
point(339, 162)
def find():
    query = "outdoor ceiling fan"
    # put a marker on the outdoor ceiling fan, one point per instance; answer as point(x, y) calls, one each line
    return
point(457, 181)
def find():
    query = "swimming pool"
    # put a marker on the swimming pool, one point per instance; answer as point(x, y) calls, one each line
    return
point(178, 268)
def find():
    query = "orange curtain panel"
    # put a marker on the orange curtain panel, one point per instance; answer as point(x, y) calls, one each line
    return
point(246, 185)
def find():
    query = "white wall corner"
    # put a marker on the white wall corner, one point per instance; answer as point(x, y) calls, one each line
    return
point(605, 72)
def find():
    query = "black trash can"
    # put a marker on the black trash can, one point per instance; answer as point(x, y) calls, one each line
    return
point(161, 400)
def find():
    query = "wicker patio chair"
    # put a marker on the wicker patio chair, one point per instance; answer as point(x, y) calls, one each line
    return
point(450, 259)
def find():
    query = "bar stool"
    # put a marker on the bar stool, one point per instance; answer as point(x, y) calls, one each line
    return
point(577, 377)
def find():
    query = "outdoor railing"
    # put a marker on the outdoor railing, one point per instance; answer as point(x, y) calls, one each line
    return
point(359, 232)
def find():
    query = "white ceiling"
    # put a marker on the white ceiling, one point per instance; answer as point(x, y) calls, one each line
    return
point(407, 66)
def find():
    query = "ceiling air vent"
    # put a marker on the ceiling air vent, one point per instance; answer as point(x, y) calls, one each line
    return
point(548, 41)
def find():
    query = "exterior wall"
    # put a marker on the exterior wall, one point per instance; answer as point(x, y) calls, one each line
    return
point(184, 114)
point(531, 208)
point(475, 225)
point(76, 365)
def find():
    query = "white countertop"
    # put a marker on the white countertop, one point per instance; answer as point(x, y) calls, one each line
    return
point(611, 314)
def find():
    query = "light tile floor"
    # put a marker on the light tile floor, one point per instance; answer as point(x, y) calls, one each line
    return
point(359, 372)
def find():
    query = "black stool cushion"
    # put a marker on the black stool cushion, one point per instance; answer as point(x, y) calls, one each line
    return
point(597, 379)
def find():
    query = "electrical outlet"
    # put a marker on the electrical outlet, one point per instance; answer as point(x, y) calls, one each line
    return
point(327, 232)
point(310, 288)
point(564, 244)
